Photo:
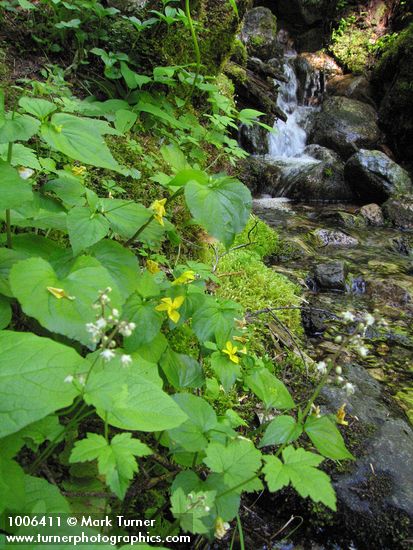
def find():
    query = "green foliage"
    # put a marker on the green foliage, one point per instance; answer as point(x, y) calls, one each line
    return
point(112, 329)
point(351, 44)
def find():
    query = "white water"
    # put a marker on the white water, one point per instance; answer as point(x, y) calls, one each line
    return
point(290, 138)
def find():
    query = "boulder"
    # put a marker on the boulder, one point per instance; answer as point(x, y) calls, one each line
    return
point(392, 77)
point(259, 33)
point(403, 244)
point(306, 179)
point(377, 488)
point(373, 176)
point(353, 87)
point(331, 276)
point(345, 125)
point(399, 211)
point(254, 139)
point(327, 237)
point(373, 214)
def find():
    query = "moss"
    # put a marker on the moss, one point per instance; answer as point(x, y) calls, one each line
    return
point(239, 53)
point(183, 340)
point(351, 48)
point(236, 73)
point(245, 279)
point(226, 88)
point(264, 240)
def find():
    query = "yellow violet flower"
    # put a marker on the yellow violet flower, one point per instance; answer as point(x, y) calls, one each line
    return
point(171, 307)
point(158, 208)
point(59, 293)
point(231, 351)
point(340, 415)
point(152, 267)
point(185, 278)
point(78, 170)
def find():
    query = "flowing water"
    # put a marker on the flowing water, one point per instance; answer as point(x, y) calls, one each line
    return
point(379, 279)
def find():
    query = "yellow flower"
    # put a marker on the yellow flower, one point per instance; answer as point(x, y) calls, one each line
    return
point(171, 306)
point(221, 527)
point(340, 416)
point(78, 170)
point(184, 278)
point(59, 293)
point(153, 267)
point(315, 410)
point(231, 351)
point(159, 210)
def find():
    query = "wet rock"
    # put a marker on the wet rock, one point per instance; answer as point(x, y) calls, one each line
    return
point(298, 179)
point(373, 214)
point(399, 211)
point(403, 245)
point(259, 33)
point(265, 69)
point(345, 125)
point(378, 490)
point(315, 320)
point(312, 70)
point(389, 292)
point(331, 276)
point(374, 176)
point(353, 87)
point(327, 237)
point(254, 139)
point(345, 219)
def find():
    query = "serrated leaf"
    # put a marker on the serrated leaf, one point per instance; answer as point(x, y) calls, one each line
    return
point(29, 280)
point(300, 469)
point(214, 321)
point(22, 156)
point(20, 128)
point(222, 207)
point(43, 365)
point(148, 321)
point(192, 434)
point(326, 438)
point(238, 461)
point(269, 389)
point(116, 460)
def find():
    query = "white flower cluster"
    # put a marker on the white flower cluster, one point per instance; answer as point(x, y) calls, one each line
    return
point(322, 369)
point(107, 326)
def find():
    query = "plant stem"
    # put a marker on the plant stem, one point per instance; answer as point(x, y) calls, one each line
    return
point(8, 214)
point(145, 225)
point(196, 48)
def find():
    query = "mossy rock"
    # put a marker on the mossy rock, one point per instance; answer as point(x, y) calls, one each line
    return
point(393, 79)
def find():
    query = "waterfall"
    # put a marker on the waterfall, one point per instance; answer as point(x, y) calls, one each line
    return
point(290, 137)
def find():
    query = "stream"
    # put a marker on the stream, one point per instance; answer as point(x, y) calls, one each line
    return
point(343, 264)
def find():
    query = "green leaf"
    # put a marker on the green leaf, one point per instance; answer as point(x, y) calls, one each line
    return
point(193, 510)
point(12, 492)
point(14, 191)
point(20, 128)
point(85, 228)
point(40, 108)
point(41, 494)
point(282, 429)
point(214, 321)
point(182, 371)
point(121, 263)
point(192, 434)
point(68, 188)
point(225, 370)
point(223, 206)
point(116, 460)
point(131, 401)
point(22, 156)
point(269, 389)
point(300, 469)
point(238, 462)
point(80, 139)
point(326, 438)
point(125, 217)
point(32, 378)
point(157, 112)
point(133, 80)
point(125, 120)
point(148, 321)
point(8, 257)
point(5, 312)
point(68, 315)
